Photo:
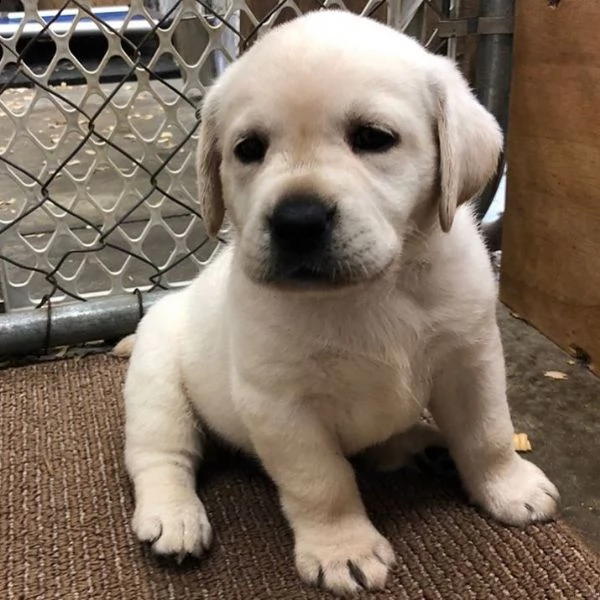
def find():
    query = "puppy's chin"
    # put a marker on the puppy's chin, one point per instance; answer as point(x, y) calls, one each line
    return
point(331, 279)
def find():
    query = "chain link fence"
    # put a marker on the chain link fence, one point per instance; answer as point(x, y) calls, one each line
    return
point(99, 110)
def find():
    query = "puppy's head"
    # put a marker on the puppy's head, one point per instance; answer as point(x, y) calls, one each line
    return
point(327, 139)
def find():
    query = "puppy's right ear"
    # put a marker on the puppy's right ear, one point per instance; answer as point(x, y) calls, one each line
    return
point(208, 162)
point(470, 141)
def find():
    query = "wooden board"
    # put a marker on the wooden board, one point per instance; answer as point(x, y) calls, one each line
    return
point(551, 245)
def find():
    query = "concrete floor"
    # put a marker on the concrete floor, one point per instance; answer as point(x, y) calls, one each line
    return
point(561, 417)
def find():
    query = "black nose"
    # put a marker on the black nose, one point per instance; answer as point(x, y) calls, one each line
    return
point(301, 223)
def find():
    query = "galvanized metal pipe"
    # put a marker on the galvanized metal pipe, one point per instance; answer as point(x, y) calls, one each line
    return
point(111, 317)
point(492, 81)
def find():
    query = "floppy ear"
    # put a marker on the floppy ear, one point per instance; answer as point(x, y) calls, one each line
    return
point(208, 162)
point(470, 142)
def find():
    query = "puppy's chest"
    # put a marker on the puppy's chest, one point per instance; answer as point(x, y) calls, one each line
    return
point(365, 399)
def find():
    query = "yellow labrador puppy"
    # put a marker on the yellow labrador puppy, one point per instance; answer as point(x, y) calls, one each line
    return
point(355, 293)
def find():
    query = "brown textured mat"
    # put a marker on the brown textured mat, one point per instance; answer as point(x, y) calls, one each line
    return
point(65, 506)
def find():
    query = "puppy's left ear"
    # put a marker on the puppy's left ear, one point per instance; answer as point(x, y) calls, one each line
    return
point(470, 141)
point(208, 163)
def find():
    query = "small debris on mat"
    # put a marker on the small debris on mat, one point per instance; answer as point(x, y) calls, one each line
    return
point(556, 375)
point(521, 442)
point(47, 465)
point(61, 351)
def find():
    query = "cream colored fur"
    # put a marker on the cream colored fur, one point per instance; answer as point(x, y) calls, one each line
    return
point(305, 377)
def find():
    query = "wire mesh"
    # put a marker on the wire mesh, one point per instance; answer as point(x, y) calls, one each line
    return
point(99, 109)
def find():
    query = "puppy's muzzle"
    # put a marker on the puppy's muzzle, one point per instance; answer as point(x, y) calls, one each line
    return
point(300, 229)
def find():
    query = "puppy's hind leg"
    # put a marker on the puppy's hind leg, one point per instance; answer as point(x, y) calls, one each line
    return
point(163, 442)
point(399, 450)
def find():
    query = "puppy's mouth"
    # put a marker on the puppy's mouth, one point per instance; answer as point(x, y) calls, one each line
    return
point(308, 276)
point(318, 276)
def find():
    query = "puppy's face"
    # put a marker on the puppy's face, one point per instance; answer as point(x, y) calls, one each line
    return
point(323, 143)
point(320, 180)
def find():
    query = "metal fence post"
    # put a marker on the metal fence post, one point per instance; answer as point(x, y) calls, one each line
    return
point(492, 81)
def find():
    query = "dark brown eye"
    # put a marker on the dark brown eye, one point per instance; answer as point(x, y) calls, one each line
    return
point(251, 149)
point(368, 138)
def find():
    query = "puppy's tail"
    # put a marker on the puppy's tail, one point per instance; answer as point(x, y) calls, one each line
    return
point(125, 347)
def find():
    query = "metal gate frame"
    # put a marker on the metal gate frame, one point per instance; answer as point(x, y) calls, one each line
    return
point(112, 317)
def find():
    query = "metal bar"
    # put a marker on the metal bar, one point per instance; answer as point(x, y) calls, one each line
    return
point(492, 81)
point(453, 12)
point(111, 317)
point(477, 25)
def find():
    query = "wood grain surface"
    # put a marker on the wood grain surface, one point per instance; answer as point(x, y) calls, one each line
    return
point(551, 245)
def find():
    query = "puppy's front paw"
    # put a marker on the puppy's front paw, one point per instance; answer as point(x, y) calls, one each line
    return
point(518, 494)
point(174, 527)
point(345, 558)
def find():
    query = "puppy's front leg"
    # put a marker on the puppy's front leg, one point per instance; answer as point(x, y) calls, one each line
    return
point(162, 450)
point(469, 405)
point(336, 546)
